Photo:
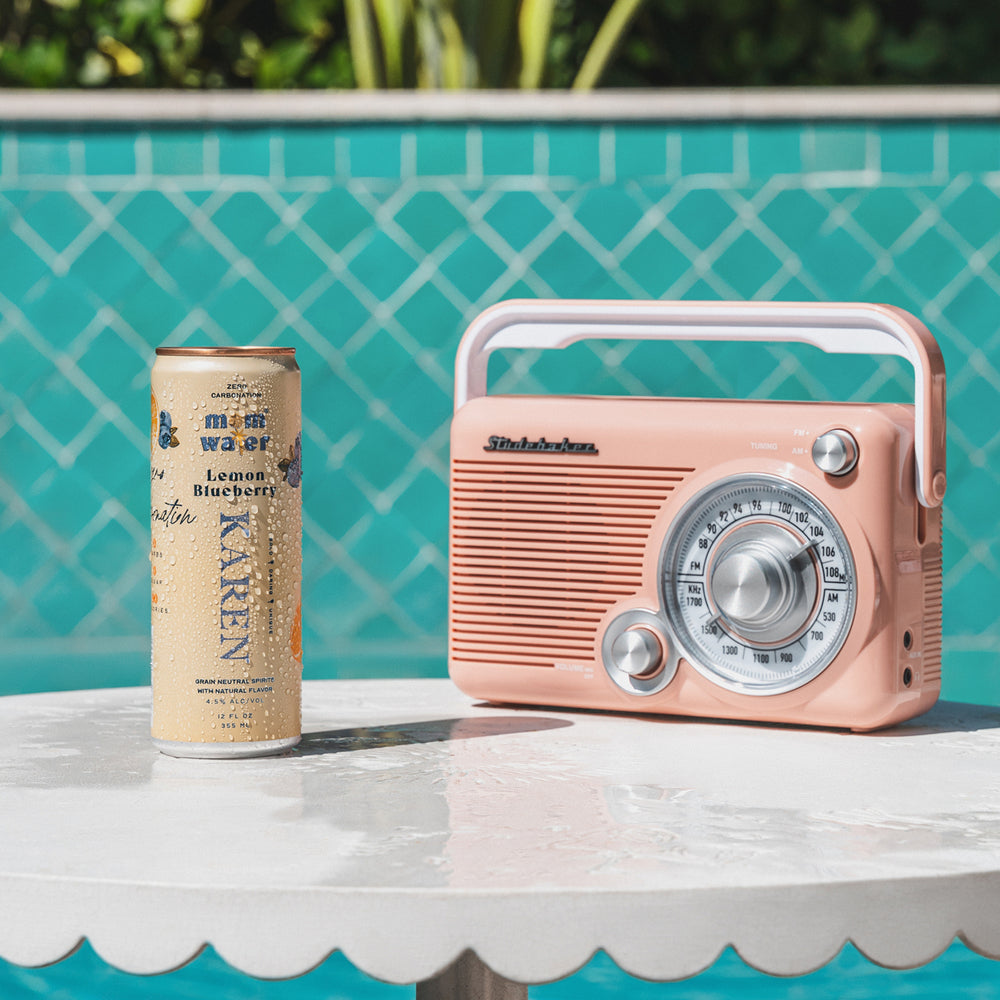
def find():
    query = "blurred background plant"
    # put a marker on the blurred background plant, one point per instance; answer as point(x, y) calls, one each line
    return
point(275, 44)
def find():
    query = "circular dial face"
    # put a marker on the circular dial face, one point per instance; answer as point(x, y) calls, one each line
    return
point(758, 584)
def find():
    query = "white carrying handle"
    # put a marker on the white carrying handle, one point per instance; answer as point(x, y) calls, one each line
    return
point(834, 327)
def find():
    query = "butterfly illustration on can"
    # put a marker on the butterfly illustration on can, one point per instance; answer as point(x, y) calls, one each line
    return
point(291, 464)
point(167, 434)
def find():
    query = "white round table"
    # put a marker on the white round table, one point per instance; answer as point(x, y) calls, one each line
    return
point(474, 848)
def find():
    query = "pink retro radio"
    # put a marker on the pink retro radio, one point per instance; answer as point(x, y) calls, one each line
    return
point(773, 561)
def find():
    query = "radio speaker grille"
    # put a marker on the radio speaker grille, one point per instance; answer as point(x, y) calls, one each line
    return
point(539, 553)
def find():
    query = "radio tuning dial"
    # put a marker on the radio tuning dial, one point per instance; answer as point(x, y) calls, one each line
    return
point(637, 652)
point(758, 584)
point(835, 452)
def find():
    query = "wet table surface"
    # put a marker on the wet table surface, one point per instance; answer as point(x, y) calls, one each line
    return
point(413, 825)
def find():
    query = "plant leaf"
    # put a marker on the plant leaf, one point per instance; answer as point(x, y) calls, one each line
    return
point(534, 24)
point(495, 43)
point(605, 42)
point(281, 64)
point(183, 11)
point(394, 18)
point(127, 62)
point(453, 58)
point(95, 70)
point(429, 48)
point(361, 37)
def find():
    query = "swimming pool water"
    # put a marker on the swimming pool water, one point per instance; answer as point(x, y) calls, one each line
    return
point(958, 972)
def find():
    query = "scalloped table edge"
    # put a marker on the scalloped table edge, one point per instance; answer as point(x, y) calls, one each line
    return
point(757, 922)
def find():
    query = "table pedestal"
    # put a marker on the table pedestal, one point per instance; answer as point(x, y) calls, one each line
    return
point(470, 979)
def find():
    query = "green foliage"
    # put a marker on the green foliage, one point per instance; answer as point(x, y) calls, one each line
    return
point(735, 43)
point(468, 43)
point(174, 43)
point(274, 44)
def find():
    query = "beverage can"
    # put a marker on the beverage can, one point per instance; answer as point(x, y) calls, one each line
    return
point(226, 552)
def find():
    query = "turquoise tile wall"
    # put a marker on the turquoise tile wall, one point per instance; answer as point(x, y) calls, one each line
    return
point(368, 248)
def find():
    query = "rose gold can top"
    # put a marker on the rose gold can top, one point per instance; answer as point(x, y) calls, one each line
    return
point(225, 352)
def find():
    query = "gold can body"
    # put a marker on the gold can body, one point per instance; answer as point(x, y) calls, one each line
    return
point(226, 552)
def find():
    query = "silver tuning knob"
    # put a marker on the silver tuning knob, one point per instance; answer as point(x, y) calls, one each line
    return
point(764, 583)
point(751, 586)
point(835, 452)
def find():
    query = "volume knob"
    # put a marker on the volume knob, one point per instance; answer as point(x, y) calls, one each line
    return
point(637, 652)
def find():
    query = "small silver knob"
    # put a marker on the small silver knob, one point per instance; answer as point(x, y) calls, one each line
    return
point(637, 652)
point(835, 452)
